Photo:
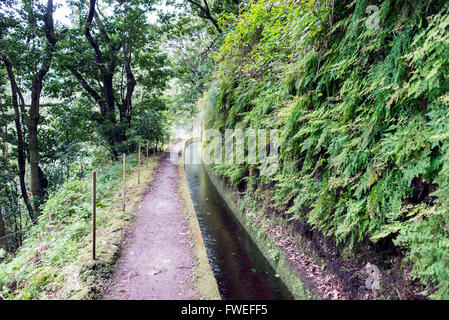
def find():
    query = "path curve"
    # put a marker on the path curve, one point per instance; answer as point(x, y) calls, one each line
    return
point(156, 261)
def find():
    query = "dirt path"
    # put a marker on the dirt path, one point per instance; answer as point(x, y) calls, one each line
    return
point(156, 261)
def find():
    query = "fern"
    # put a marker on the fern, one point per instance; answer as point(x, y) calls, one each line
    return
point(363, 114)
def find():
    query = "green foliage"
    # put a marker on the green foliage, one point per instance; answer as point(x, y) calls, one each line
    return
point(119, 70)
point(72, 125)
point(363, 115)
point(189, 48)
point(49, 263)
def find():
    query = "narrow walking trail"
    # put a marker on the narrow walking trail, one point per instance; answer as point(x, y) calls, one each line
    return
point(156, 261)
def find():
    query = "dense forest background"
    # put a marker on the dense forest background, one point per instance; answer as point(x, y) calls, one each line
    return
point(359, 95)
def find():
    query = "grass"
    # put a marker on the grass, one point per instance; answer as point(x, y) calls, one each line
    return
point(55, 261)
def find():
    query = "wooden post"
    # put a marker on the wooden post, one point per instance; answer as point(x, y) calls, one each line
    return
point(94, 212)
point(138, 167)
point(124, 182)
point(148, 158)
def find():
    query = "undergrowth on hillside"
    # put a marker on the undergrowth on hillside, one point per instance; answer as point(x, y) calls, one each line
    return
point(55, 259)
point(364, 119)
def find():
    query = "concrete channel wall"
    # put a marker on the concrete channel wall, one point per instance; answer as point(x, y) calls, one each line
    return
point(271, 251)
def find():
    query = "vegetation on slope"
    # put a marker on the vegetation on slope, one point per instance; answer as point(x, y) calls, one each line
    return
point(55, 260)
point(363, 114)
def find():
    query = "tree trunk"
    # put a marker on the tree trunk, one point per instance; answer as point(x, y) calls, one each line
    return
point(38, 179)
point(131, 84)
point(20, 143)
point(3, 240)
point(21, 164)
point(109, 95)
point(37, 176)
point(125, 107)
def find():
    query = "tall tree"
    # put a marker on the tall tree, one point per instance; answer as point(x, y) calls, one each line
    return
point(34, 33)
point(106, 51)
point(3, 239)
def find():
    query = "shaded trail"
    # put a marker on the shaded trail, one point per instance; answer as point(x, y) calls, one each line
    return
point(156, 261)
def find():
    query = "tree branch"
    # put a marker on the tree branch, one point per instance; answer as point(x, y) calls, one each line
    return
point(205, 13)
point(90, 38)
point(85, 85)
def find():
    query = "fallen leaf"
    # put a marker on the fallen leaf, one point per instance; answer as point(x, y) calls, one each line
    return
point(123, 290)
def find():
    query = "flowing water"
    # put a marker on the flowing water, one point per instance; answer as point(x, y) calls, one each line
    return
point(241, 271)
